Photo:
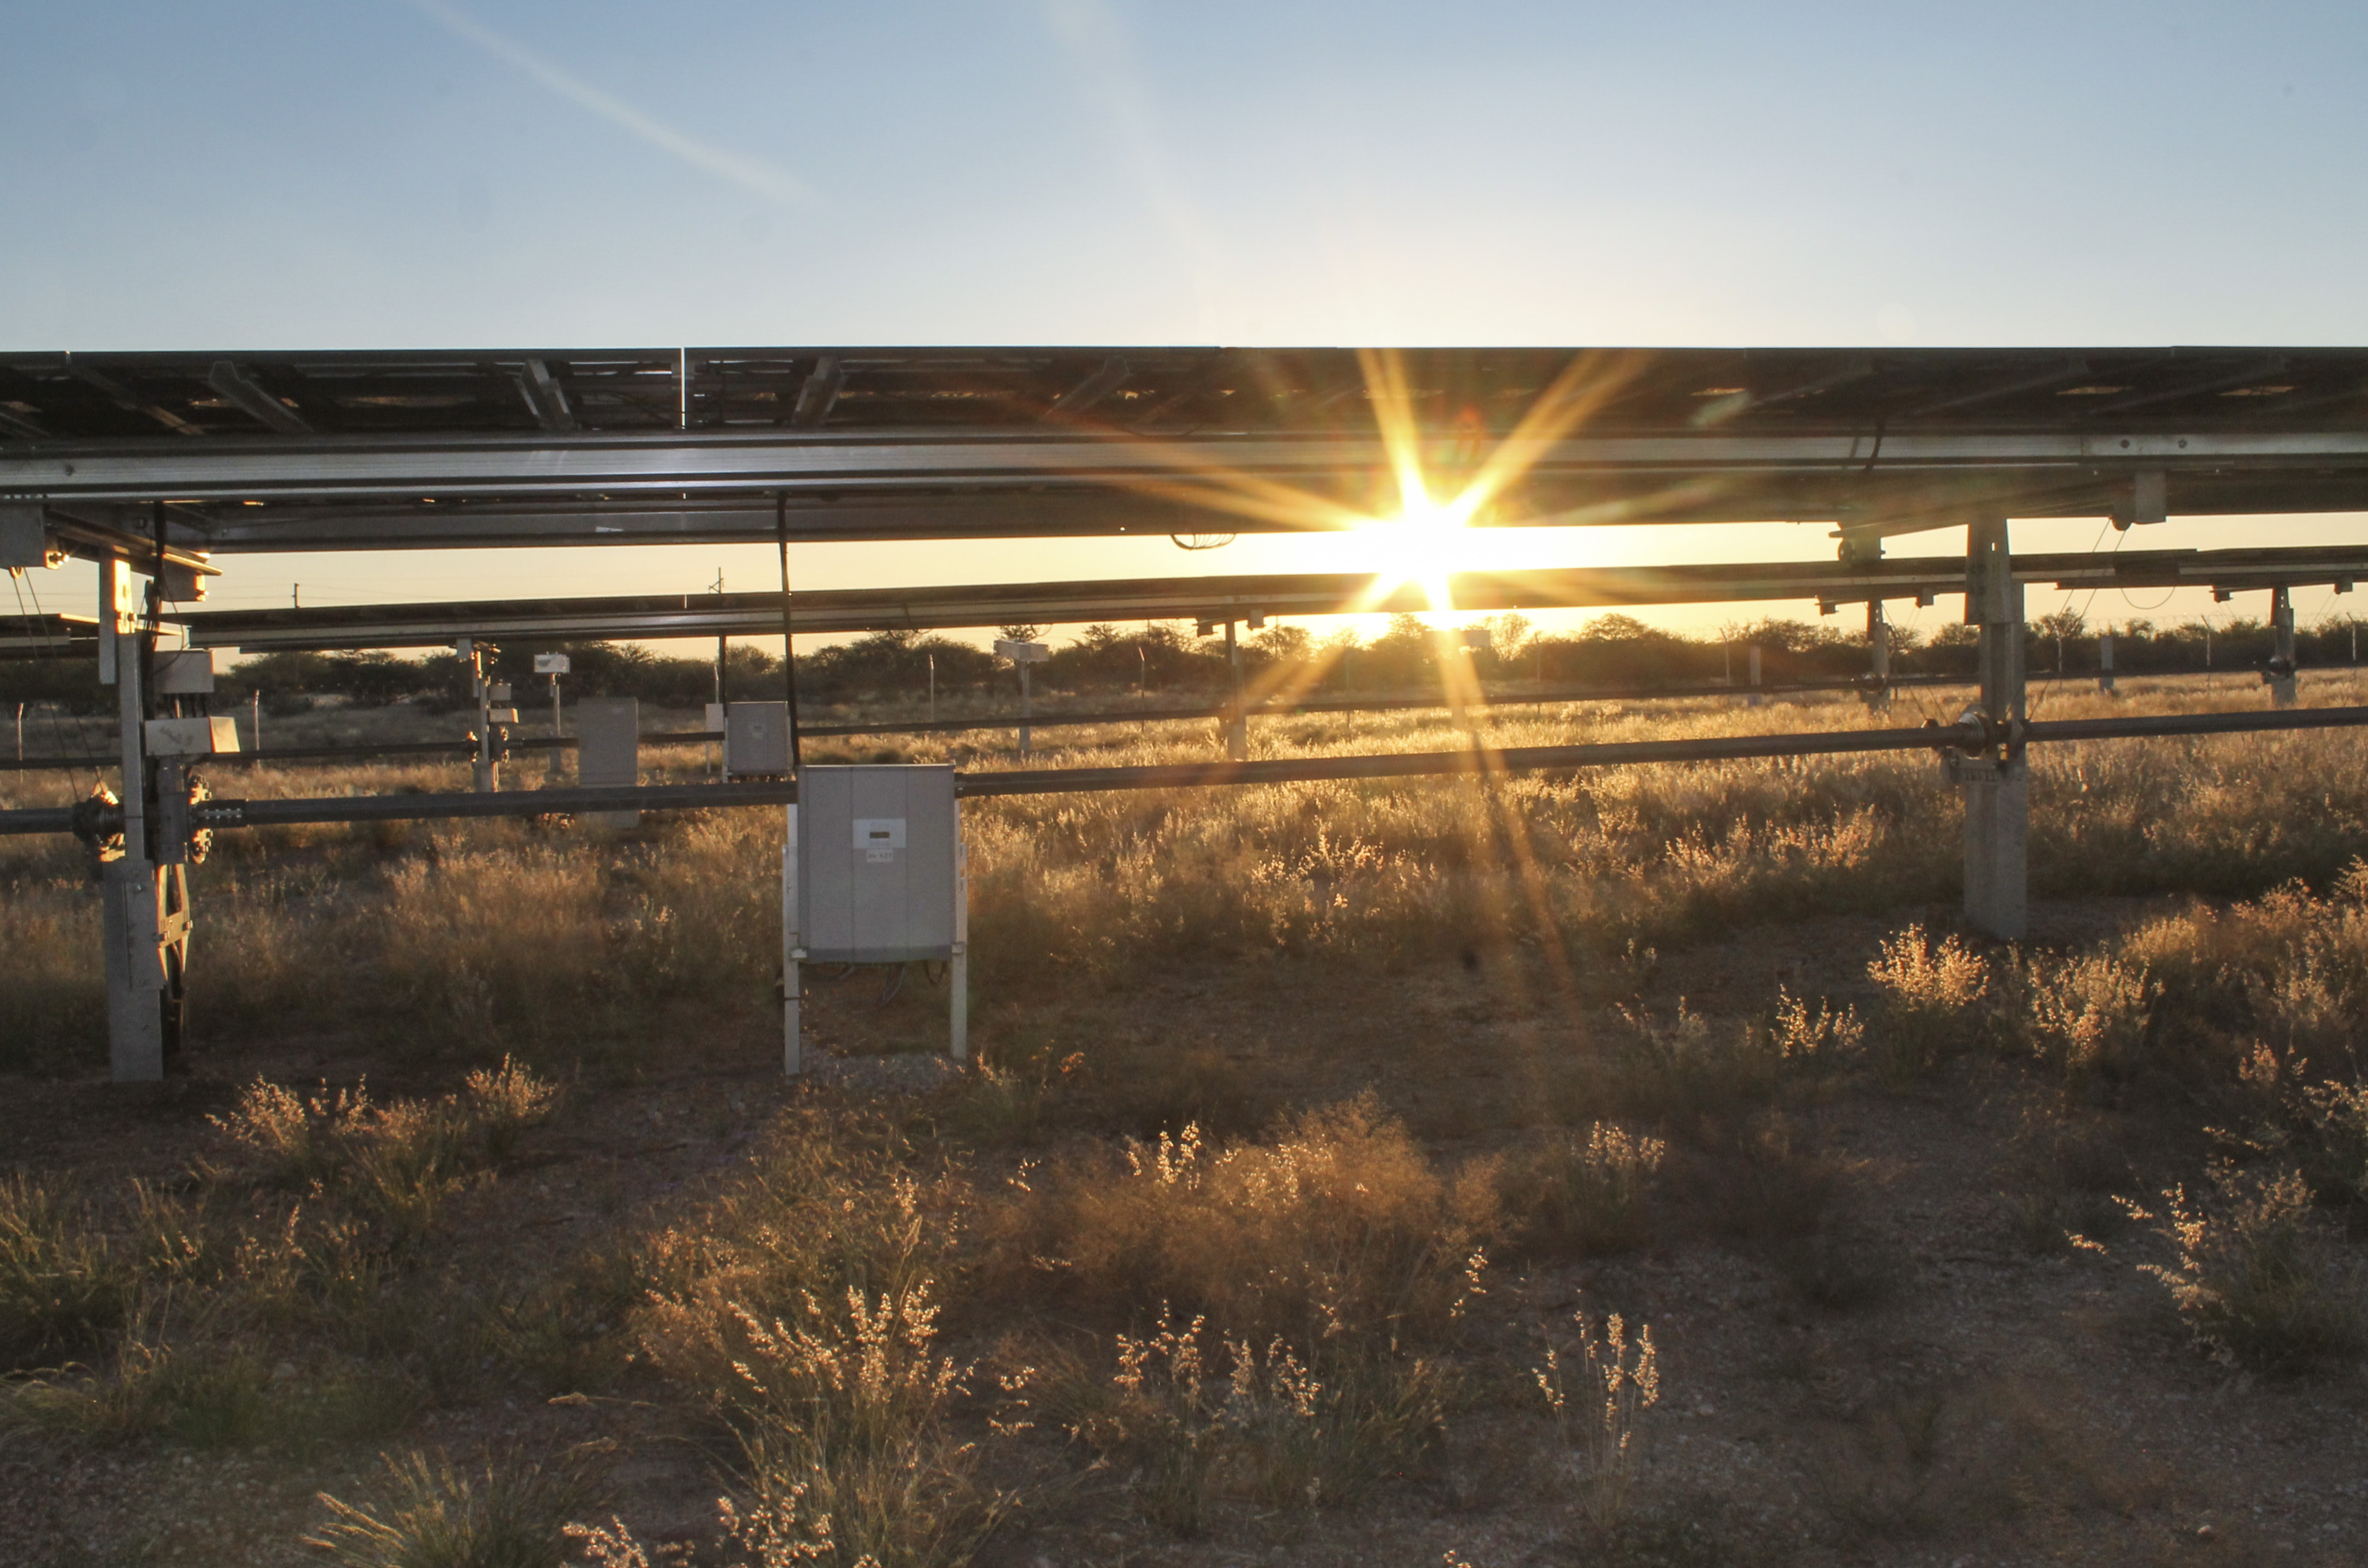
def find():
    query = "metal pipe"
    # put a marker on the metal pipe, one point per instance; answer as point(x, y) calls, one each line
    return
point(1267, 770)
point(1051, 720)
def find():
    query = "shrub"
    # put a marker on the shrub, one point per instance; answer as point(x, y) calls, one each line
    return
point(2254, 1276)
point(842, 1424)
point(2334, 1148)
point(432, 1515)
point(1821, 1038)
point(1930, 991)
point(2088, 1014)
point(62, 1289)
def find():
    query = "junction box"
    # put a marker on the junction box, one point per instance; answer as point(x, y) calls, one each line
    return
point(873, 871)
point(757, 740)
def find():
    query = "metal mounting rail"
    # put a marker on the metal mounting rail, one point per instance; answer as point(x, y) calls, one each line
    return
point(1969, 737)
point(1302, 708)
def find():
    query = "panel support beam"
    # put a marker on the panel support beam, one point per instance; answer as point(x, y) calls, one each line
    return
point(1080, 400)
point(545, 398)
point(250, 397)
point(819, 394)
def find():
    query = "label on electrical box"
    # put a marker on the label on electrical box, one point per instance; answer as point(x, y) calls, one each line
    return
point(878, 838)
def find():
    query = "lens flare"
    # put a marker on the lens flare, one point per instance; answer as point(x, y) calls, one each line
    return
point(1424, 545)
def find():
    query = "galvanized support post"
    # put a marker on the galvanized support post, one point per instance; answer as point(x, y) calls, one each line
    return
point(552, 772)
point(1997, 784)
point(2280, 675)
point(483, 777)
point(131, 917)
point(1878, 656)
point(793, 947)
point(958, 965)
point(2105, 662)
point(1237, 722)
point(1756, 698)
point(1026, 709)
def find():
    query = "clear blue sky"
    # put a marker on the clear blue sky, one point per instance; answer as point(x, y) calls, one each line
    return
point(380, 172)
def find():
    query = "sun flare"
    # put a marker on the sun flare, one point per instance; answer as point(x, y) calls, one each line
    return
point(1423, 545)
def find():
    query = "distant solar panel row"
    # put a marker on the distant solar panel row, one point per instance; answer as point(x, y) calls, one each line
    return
point(1154, 391)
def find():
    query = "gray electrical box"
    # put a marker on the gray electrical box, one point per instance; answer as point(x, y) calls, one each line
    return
point(608, 751)
point(188, 673)
point(756, 739)
point(876, 849)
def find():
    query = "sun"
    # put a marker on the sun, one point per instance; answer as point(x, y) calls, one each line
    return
point(1424, 545)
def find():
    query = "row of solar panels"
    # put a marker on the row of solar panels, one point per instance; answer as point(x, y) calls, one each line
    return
point(73, 397)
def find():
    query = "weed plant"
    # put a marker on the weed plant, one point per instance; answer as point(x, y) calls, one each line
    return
point(1930, 996)
point(2256, 1275)
point(1282, 1429)
point(1596, 1401)
point(2087, 1016)
point(842, 1426)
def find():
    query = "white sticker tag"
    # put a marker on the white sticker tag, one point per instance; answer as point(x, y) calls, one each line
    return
point(878, 838)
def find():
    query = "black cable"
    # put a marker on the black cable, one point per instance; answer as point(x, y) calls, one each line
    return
point(789, 644)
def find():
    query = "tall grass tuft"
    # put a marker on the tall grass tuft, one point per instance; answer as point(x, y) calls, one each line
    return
point(1283, 1428)
point(431, 1513)
point(1597, 1419)
point(63, 1289)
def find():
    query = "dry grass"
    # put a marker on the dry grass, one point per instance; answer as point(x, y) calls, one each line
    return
point(476, 938)
point(431, 1513)
point(1115, 1293)
point(1339, 1223)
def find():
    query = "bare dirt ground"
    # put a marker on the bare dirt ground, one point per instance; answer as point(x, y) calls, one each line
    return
point(1940, 1385)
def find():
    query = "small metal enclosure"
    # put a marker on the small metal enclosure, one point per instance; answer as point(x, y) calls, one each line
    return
point(756, 739)
point(873, 871)
point(191, 737)
point(877, 843)
point(607, 750)
point(188, 673)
